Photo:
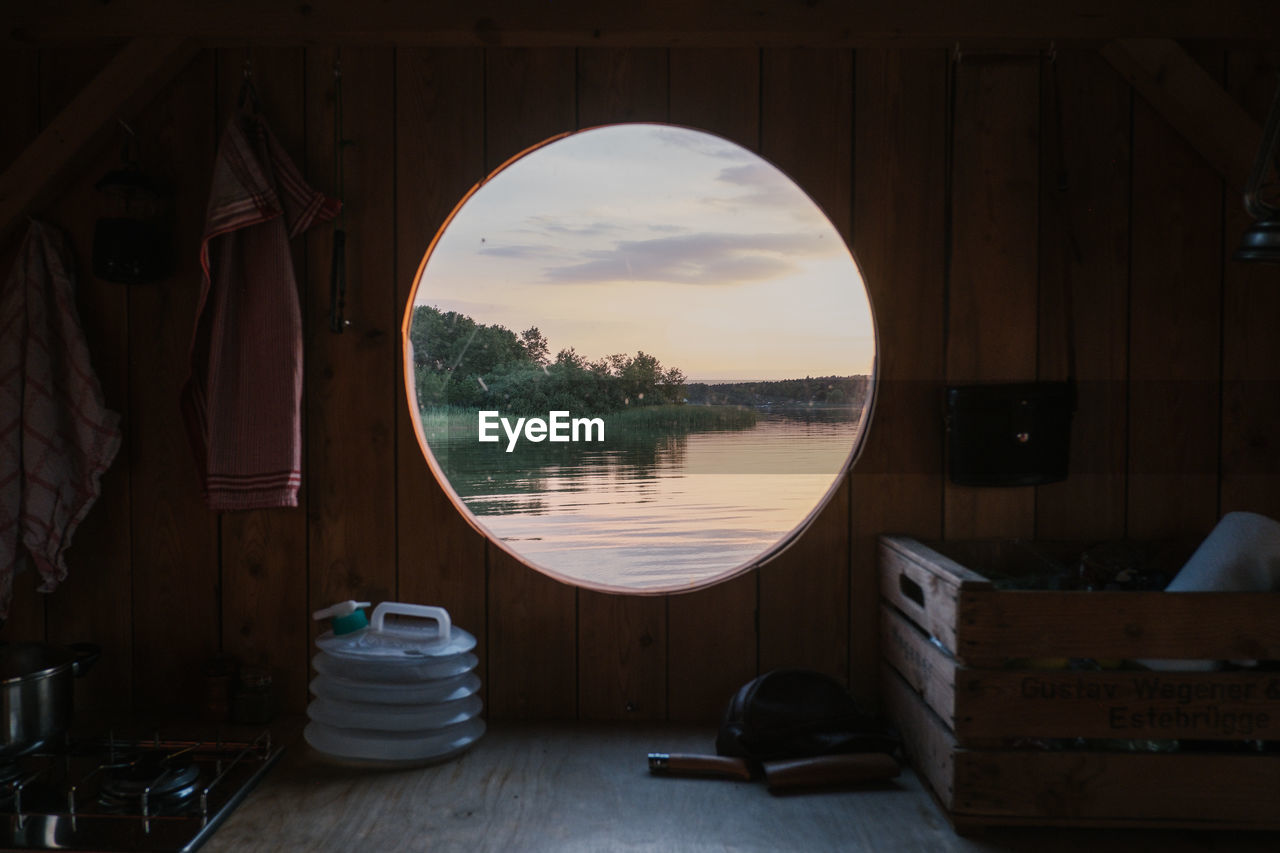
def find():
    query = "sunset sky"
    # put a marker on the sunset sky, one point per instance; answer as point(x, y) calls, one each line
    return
point(662, 239)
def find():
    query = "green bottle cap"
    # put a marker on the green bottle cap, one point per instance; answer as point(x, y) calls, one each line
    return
point(353, 621)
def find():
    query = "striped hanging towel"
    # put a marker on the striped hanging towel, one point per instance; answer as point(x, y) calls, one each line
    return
point(242, 399)
point(56, 435)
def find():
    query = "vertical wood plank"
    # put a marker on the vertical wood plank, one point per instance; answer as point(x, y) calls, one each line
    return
point(622, 84)
point(1173, 334)
point(992, 292)
point(21, 67)
point(22, 116)
point(26, 620)
point(711, 634)
point(900, 157)
point(351, 377)
point(1250, 348)
point(532, 643)
point(174, 543)
point(806, 129)
point(264, 552)
point(94, 603)
point(532, 620)
point(1093, 211)
point(622, 657)
point(439, 156)
point(622, 639)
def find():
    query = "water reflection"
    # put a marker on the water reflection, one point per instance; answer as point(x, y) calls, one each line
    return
point(641, 508)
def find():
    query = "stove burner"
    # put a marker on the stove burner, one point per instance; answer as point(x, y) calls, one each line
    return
point(166, 781)
point(137, 793)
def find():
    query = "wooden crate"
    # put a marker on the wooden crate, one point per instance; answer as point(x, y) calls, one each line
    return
point(969, 676)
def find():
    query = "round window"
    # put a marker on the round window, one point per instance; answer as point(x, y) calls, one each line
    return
point(639, 358)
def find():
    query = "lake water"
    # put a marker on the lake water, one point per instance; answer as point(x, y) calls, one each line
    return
point(651, 511)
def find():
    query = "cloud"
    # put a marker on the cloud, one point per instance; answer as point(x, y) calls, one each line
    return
point(551, 225)
point(522, 252)
point(543, 238)
point(702, 258)
point(753, 175)
point(700, 142)
point(767, 188)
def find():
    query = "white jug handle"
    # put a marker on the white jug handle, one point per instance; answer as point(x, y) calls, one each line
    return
point(436, 614)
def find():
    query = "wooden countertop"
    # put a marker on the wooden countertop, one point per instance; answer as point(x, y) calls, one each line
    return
point(584, 788)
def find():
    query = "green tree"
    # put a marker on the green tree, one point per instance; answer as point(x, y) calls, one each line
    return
point(460, 362)
point(570, 358)
point(535, 345)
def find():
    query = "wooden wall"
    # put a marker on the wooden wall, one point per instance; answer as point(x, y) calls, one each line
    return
point(944, 178)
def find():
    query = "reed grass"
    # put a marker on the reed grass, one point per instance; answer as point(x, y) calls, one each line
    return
point(460, 422)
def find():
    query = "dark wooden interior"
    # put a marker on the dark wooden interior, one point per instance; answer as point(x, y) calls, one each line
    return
point(943, 176)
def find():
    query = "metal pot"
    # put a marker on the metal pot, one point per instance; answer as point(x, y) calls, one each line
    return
point(36, 695)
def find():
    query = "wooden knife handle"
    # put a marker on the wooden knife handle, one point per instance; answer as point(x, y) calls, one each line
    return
point(681, 764)
point(826, 770)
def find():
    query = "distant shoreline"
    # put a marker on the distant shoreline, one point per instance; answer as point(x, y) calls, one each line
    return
point(778, 379)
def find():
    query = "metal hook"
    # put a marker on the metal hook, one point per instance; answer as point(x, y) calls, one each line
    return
point(956, 55)
point(248, 92)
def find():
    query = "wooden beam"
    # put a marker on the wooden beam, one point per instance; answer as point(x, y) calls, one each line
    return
point(130, 80)
point(1190, 99)
point(657, 23)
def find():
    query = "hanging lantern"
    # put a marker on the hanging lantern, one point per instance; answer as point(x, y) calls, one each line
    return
point(133, 241)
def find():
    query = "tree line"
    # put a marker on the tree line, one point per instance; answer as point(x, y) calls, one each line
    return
point(812, 390)
point(459, 362)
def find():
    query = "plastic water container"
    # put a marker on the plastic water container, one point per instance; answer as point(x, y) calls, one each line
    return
point(393, 693)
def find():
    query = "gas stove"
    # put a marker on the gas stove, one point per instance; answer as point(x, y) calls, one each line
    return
point(142, 793)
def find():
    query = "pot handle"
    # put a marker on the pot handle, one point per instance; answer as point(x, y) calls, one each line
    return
point(87, 655)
